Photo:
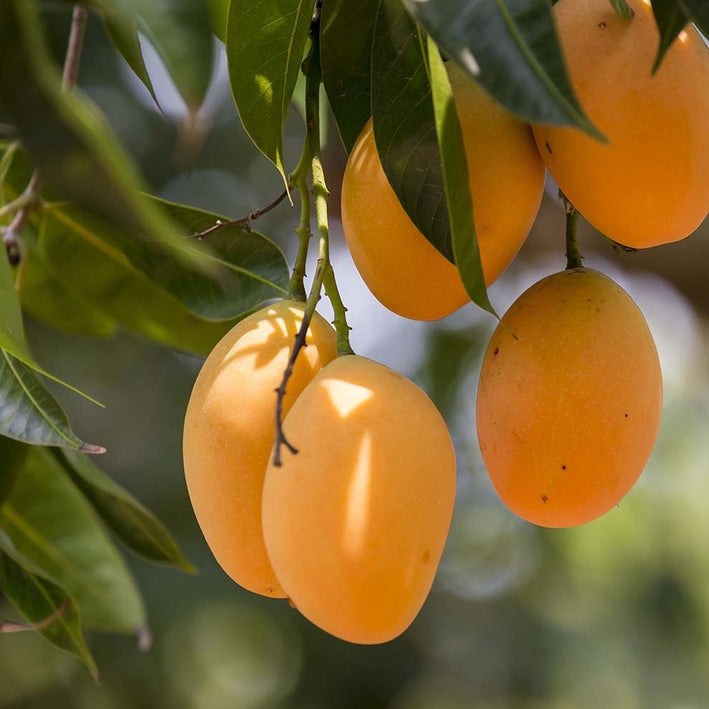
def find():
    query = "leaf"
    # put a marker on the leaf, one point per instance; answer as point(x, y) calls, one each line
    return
point(622, 9)
point(346, 37)
point(455, 179)
point(12, 332)
point(698, 11)
point(404, 125)
point(29, 413)
point(265, 43)
point(136, 526)
point(50, 523)
point(248, 268)
point(12, 457)
point(511, 48)
point(65, 136)
point(45, 298)
point(218, 10)
point(122, 30)
point(180, 32)
point(102, 283)
point(670, 18)
point(37, 599)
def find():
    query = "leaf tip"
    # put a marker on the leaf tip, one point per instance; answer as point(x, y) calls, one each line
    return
point(145, 638)
point(91, 449)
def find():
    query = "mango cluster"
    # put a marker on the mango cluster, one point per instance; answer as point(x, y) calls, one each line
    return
point(352, 527)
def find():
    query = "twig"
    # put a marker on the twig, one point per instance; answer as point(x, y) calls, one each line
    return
point(242, 220)
point(31, 196)
point(323, 269)
point(9, 627)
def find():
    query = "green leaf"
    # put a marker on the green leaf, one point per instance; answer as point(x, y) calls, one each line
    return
point(404, 125)
point(102, 282)
point(50, 523)
point(45, 297)
point(181, 33)
point(65, 136)
point(670, 18)
point(38, 600)
point(265, 44)
point(122, 30)
point(346, 37)
point(29, 413)
point(455, 179)
point(12, 457)
point(698, 11)
point(136, 526)
point(248, 268)
point(12, 333)
point(622, 9)
point(511, 48)
point(218, 10)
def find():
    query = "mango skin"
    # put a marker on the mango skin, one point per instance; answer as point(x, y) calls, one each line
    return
point(230, 429)
point(356, 522)
point(649, 184)
point(400, 266)
point(569, 399)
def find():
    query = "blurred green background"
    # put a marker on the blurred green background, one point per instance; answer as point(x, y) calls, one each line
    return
point(614, 614)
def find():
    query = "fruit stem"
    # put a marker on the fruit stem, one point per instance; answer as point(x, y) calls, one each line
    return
point(573, 256)
point(299, 178)
point(323, 270)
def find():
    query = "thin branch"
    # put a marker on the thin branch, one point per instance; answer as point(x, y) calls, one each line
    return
point(252, 217)
point(31, 196)
point(9, 627)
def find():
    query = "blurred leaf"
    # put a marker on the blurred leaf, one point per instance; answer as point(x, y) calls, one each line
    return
point(265, 44)
point(37, 600)
point(105, 283)
point(50, 523)
point(12, 332)
point(346, 39)
point(698, 10)
point(511, 48)
point(65, 136)
point(218, 11)
point(455, 178)
point(404, 125)
point(136, 526)
point(249, 268)
point(181, 33)
point(44, 297)
point(12, 457)
point(621, 7)
point(123, 32)
point(672, 17)
point(29, 413)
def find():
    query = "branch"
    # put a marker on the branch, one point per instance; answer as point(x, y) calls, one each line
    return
point(242, 220)
point(31, 198)
point(573, 256)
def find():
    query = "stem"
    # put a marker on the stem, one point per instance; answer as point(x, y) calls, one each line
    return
point(30, 199)
point(323, 269)
point(252, 217)
point(573, 256)
point(300, 179)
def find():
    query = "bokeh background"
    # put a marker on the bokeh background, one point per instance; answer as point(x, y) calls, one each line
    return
point(612, 615)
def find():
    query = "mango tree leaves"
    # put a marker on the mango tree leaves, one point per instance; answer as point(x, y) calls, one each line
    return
point(50, 524)
point(346, 36)
point(50, 608)
point(66, 138)
point(246, 267)
point(511, 48)
point(12, 457)
point(404, 126)
point(265, 44)
point(137, 527)
point(455, 179)
point(218, 10)
point(29, 413)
